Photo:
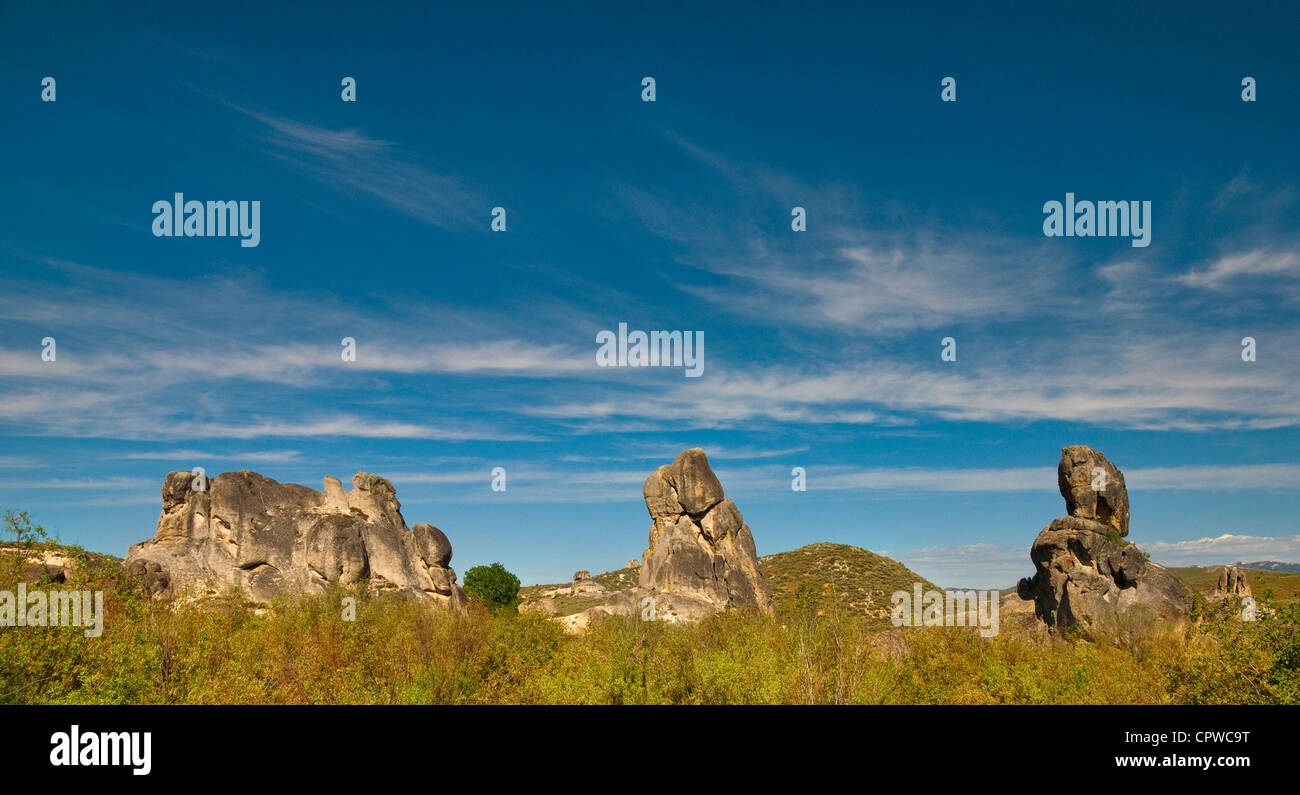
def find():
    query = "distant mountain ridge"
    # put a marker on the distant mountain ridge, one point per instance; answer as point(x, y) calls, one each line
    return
point(1270, 565)
point(1261, 565)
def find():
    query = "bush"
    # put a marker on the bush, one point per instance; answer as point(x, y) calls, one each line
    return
point(302, 650)
point(494, 586)
point(20, 526)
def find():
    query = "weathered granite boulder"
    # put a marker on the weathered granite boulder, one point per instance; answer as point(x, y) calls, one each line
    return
point(701, 558)
point(700, 547)
point(1081, 471)
point(264, 537)
point(1087, 577)
point(1232, 582)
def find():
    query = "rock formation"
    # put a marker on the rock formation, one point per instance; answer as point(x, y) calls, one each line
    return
point(265, 537)
point(1232, 582)
point(701, 558)
point(1093, 487)
point(1087, 577)
point(43, 565)
point(700, 547)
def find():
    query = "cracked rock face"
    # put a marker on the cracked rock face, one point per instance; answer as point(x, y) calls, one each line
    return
point(1081, 471)
point(1086, 576)
point(700, 547)
point(266, 538)
point(1232, 582)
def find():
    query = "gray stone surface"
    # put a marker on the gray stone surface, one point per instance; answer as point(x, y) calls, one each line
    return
point(700, 547)
point(266, 538)
point(1232, 582)
point(1076, 478)
point(1087, 577)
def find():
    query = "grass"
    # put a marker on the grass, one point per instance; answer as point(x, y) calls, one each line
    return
point(821, 576)
point(1284, 586)
point(825, 577)
point(825, 644)
point(819, 651)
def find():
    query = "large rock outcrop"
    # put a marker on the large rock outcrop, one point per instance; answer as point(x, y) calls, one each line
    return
point(700, 547)
point(266, 537)
point(1087, 577)
point(1232, 583)
point(701, 558)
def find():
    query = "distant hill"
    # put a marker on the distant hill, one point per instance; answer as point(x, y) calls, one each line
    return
point(1261, 565)
point(1284, 584)
point(828, 574)
point(819, 577)
point(1270, 565)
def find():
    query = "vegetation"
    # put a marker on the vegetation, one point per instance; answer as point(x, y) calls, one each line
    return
point(812, 651)
point(494, 586)
point(826, 644)
point(19, 525)
point(826, 577)
point(1277, 586)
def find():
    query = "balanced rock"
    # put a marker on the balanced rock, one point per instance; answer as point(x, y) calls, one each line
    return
point(1088, 578)
point(701, 550)
point(581, 574)
point(1093, 487)
point(245, 530)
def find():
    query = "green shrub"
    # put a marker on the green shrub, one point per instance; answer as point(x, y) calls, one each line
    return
point(302, 650)
point(494, 586)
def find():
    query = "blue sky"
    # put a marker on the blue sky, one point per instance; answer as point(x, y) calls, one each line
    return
point(476, 349)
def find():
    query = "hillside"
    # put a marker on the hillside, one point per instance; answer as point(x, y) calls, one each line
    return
point(819, 576)
point(50, 560)
point(824, 575)
point(564, 599)
point(1285, 586)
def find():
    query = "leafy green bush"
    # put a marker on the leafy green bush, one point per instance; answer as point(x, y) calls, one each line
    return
point(494, 586)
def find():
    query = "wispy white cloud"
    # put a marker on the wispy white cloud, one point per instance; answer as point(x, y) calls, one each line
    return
point(1223, 549)
point(994, 566)
point(351, 161)
point(667, 451)
point(266, 456)
point(1032, 479)
point(1180, 381)
point(344, 426)
point(1231, 270)
point(72, 485)
point(910, 283)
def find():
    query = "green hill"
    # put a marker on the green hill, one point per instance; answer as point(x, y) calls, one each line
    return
point(821, 577)
point(824, 576)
